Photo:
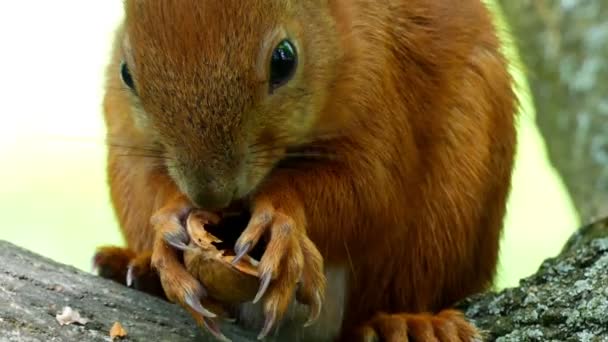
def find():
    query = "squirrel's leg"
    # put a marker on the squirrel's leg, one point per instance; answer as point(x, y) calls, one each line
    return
point(151, 212)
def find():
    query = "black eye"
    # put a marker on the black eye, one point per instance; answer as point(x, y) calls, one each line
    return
point(283, 64)
point(126, 77)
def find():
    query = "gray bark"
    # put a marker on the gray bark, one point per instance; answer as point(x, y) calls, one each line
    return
point(34, 289)
point(564, 49)
point(567, 300)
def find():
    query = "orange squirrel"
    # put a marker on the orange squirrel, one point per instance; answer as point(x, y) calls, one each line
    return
point(371, 141)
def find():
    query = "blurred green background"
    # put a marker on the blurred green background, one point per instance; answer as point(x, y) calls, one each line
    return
point(53, 191)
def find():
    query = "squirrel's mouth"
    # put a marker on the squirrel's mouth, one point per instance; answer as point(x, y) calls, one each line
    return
point(235, 217)
point(230, 228)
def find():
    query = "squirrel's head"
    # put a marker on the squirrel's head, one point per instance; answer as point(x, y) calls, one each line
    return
point(227, 87)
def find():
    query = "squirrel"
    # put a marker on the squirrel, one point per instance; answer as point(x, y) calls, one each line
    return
point(372, 142)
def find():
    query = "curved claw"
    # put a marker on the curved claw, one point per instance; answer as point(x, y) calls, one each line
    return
point(230, 320)
point(264, 283)
point(130, 276)
point(315, 310)
point(241, 251)
point(178, 240)
point(196, 305)
point(213, 328)
point(268, 324)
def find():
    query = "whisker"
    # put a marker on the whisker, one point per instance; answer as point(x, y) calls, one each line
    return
point(310, 155)
point(273, 147)
point(350, 260)
point(278, 164)
point(143, 156)
point(129, 145)
point(304, 154)
point(301, 148)
point(262, 166)
point(274, 143)
point(296, 159)
point(102, 141)
point(129, 142)
point(267, 149)
point(137, 148)
point(269, 141)
point(94, 140)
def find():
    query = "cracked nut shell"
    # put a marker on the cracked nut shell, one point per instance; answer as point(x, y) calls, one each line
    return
point(224, 282)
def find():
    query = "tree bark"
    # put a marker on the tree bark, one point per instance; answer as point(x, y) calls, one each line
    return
point(33, 290)
point(563, 46)
point(566, 300)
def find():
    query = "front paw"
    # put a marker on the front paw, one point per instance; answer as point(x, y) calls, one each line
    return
point(179, 285)
point(447, 326)
point(291, 262)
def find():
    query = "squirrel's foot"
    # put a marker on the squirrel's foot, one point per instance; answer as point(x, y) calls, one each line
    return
point(126, 267)
point(291, 262)
point(447, 326)
point(180, 286)
point(111, 262)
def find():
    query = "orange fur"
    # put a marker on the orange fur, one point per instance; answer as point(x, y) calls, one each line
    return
point(412, 99)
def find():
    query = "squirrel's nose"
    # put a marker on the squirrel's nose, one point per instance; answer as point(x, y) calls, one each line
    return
point(211, 187)
point(212, 197)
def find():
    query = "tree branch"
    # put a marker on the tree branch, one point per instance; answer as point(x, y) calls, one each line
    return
point(566, 300)
point(563, 48)
point(35, 289)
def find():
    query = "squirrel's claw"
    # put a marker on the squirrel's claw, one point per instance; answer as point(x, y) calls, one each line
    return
point(289, 259)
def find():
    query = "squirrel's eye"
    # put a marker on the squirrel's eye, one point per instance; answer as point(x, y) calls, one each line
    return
point(282, 64)
point(126, 77)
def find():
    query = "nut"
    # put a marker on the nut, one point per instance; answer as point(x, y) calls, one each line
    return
point(224, 282)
